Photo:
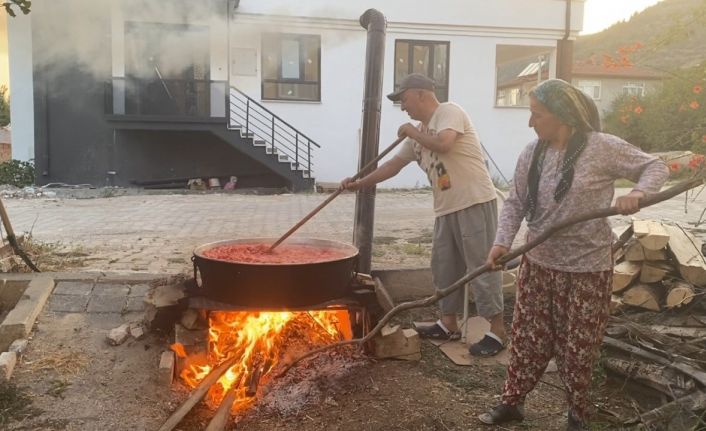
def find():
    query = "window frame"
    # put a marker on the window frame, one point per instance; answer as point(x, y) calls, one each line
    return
point(302, 60)
point(431, 44)
point(639, 85)
point(592, 81)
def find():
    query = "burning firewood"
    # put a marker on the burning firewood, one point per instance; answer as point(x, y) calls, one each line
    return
point(197, 394)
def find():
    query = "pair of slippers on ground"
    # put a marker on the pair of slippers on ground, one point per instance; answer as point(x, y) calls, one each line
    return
point(489, 345)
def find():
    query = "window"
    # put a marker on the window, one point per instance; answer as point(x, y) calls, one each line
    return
point(291, 67)
point(518, 69)
point(167, 69)
point(426, 57)
point(591, 88)
point(634, 89)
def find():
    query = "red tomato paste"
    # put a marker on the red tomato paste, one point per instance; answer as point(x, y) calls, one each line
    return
point(283, 253)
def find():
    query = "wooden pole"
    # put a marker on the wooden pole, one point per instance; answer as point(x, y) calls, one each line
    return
point(333, 195)
point(13, 239)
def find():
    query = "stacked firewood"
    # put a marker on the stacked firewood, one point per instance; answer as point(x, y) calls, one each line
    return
point(659, 267)
point(655, 343)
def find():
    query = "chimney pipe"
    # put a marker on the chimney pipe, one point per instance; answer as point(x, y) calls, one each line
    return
point(565, 48)
point(374, 22)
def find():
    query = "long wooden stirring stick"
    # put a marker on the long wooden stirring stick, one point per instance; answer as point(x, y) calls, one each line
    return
point(333, 195)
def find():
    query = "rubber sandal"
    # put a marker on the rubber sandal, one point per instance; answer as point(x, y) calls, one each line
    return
point(488, 346)
point(502, 414)
point(437, 332)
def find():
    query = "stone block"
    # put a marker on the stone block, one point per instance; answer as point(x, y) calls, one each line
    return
point(167, 364)
point(137, 331)
point(106, 304)
point(117, 336)
point(137, 290)
point(73, 288)
point(7, 364)
point(19, 321)
point(110, 289)
point(135, 304)
point(188, 337)
point(68, 303)
point(19, 346)
point(190, 318)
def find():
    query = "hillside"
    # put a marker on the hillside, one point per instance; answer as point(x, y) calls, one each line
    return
point(673, 33)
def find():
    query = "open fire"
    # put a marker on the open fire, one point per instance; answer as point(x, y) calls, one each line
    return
point(259, 340)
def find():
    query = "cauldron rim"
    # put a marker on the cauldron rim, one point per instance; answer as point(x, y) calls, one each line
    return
point(351, 249)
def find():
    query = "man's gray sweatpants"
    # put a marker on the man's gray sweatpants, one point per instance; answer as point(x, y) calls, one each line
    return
point(461, 243)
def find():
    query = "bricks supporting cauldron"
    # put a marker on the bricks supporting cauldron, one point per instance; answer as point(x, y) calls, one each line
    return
point(374, 21)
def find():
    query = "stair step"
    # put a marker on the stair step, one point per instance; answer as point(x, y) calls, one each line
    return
point(259, 143)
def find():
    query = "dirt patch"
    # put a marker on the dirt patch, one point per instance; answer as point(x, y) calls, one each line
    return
point(77, 382)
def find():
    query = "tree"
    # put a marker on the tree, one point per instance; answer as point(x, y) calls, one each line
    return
point(23, 5)
point(4, 107)
point(671, 118)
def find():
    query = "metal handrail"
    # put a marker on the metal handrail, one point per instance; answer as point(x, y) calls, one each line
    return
point(265, 125)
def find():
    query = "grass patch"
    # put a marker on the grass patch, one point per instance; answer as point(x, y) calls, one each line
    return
point(413, 249)
point(425, 238)
point(49, 256)
point(384, 240)
point(14, 404)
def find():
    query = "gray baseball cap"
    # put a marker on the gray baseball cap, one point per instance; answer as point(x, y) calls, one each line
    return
point(413, 81)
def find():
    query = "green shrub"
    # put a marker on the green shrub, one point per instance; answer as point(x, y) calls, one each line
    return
point(17, 173)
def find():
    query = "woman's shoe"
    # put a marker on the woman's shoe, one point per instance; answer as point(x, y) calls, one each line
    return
point(502, 414)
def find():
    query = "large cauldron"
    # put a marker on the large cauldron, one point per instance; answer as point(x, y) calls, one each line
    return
point(276, 286)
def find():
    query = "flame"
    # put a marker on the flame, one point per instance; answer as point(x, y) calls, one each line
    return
point(259, 340)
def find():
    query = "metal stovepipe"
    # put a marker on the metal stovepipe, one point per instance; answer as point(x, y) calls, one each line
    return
point(374, 22)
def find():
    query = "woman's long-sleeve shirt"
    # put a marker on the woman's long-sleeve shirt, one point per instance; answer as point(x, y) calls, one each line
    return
point(583, 247)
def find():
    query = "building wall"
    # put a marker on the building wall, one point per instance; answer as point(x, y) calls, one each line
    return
point(21, 84)
point(613, 87)
point(474, 32)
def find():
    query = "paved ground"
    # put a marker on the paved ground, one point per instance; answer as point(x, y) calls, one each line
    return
point(157, 233)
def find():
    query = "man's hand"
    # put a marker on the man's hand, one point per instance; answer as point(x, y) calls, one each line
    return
point(630, 203)
point(495, 253)
point(349, 183)
point(408, 130)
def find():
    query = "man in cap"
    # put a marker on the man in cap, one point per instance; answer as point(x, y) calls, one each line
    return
point(446, 147)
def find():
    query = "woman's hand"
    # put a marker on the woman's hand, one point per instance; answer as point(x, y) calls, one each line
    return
point(495, 253)
point(630, 203)
point(350, 184)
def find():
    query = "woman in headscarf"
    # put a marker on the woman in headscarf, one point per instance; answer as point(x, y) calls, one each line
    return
point(564, 284)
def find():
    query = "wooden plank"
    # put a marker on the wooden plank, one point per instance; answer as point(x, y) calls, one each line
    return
point(643, 296)
point(679, 331)
point(686, 250)
point(651, 234)
point(383, 296)
point(624, 273)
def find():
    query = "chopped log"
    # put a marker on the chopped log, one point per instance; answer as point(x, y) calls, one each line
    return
point(624, 273)
point(679, 331)
point(658, 255)
point(622, 236)
point(662, 379)
point(397, 343)
point(634, 251)
point(651, 234)
point(653, 272)
point(643, 296)
point(663, 414)
point(198, 393)
point(680, 293)
point(686, 250)
point(690, 371)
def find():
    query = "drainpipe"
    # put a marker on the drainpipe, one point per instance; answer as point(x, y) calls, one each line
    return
point(374, 22)
point(565, 49)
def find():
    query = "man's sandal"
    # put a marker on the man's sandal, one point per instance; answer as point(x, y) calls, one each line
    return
point(490, 345)
point(437, 331)
point(502, 414)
